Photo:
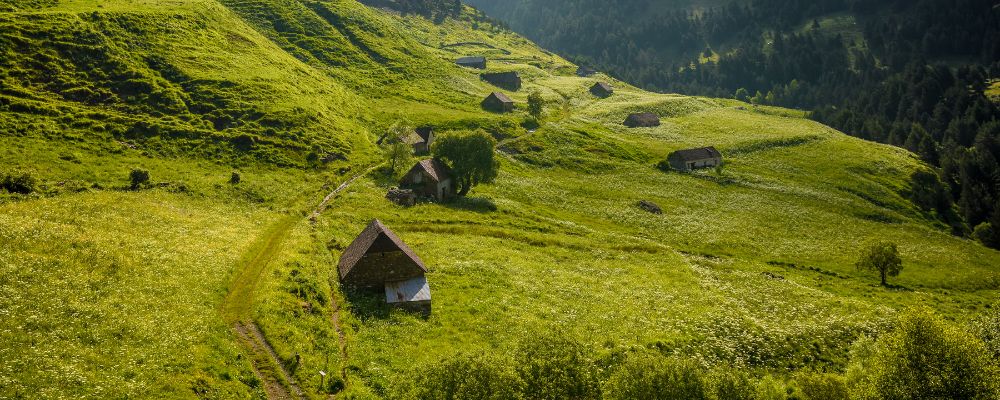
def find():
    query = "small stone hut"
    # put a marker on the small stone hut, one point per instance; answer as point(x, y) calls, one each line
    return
point(584, 71)
point(378, 260)
point(426, 135)
point(498, 102)
point(506, 80)
point(472, 62)
point(430, 178)
point(602, 89)
point(691, 159)
point(640, 120)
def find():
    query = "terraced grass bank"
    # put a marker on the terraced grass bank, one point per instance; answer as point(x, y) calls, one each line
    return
point(109, 292)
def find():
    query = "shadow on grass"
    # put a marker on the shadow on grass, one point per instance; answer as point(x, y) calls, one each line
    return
point(370, 304)
point(896, 288)
point(474, 204)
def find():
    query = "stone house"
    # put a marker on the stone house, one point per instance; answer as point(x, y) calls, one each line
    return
point(691, 159)
point(430, 178)
point(472, 62)
point(642, 120)
point(378, 260)
point(506, 80)
point(498, 102)
point(602, 89)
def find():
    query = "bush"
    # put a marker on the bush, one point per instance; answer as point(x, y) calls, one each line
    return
point(235, 178)
point(554, 367)
point(732, 384)
point(656, 377)
point(819, 386)
point(467, 377)
point(138, 177)
point(987, 328)
point(20, 182)
point(986, 234)
point(923, 358)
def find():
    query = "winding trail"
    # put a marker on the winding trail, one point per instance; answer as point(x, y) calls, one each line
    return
point(236, 308)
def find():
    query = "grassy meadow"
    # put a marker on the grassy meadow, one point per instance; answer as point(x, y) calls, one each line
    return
point(110, 292)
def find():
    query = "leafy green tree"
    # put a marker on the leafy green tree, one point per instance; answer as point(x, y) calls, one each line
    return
point(398, 154)
point(742, 94)
point(923, 358)
point(536, 104)
point(471, 156)
point(881, 257)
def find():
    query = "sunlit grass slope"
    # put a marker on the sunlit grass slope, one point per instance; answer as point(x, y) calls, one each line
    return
point(753, 266)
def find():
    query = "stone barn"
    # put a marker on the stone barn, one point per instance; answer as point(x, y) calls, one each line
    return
point(506, 80)
point(430, 178)
point(426, 135)
point(583, 71)
point(691, 159)
point(472, 62)
point(601, 89)
point(498, 102)
point(642, 120)
point(378, 260)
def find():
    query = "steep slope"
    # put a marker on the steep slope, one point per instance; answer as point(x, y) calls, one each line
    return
point(121, 291)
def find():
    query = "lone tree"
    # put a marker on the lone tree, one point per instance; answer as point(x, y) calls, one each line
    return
point(471, 157)
point(536, 104)
point(882, 257)
point(398, 153)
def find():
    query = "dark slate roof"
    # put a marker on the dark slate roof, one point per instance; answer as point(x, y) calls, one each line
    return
point(436, 169)
point(360, 246)
point(603, 86)
point(425, 132)
point(411, 138)
point(502, 75)
point(471, 60)
point(500, 96)
point(697, 154)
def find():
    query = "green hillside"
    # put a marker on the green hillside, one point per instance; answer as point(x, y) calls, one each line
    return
point(155, 291)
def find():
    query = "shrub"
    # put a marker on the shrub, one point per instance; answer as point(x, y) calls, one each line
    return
point(923, 358)
point(656, 377)
point(731, 384)
point(138, 177)
point(235, 178)
point(467, 377)
point(555, 367)
point(819, 386)
point(986, 234)
point(987, 328)
point(20, 182)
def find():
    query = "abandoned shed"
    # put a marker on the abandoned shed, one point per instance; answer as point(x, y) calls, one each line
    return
point(420, 139)
point(472, 62)
point(601, 89)
point(498, 102)
point(379, 260)
point(584, 71)
point(430, 178)
point(506, 80)
point(690, 159)
point(426, 135)
point(640, 120)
